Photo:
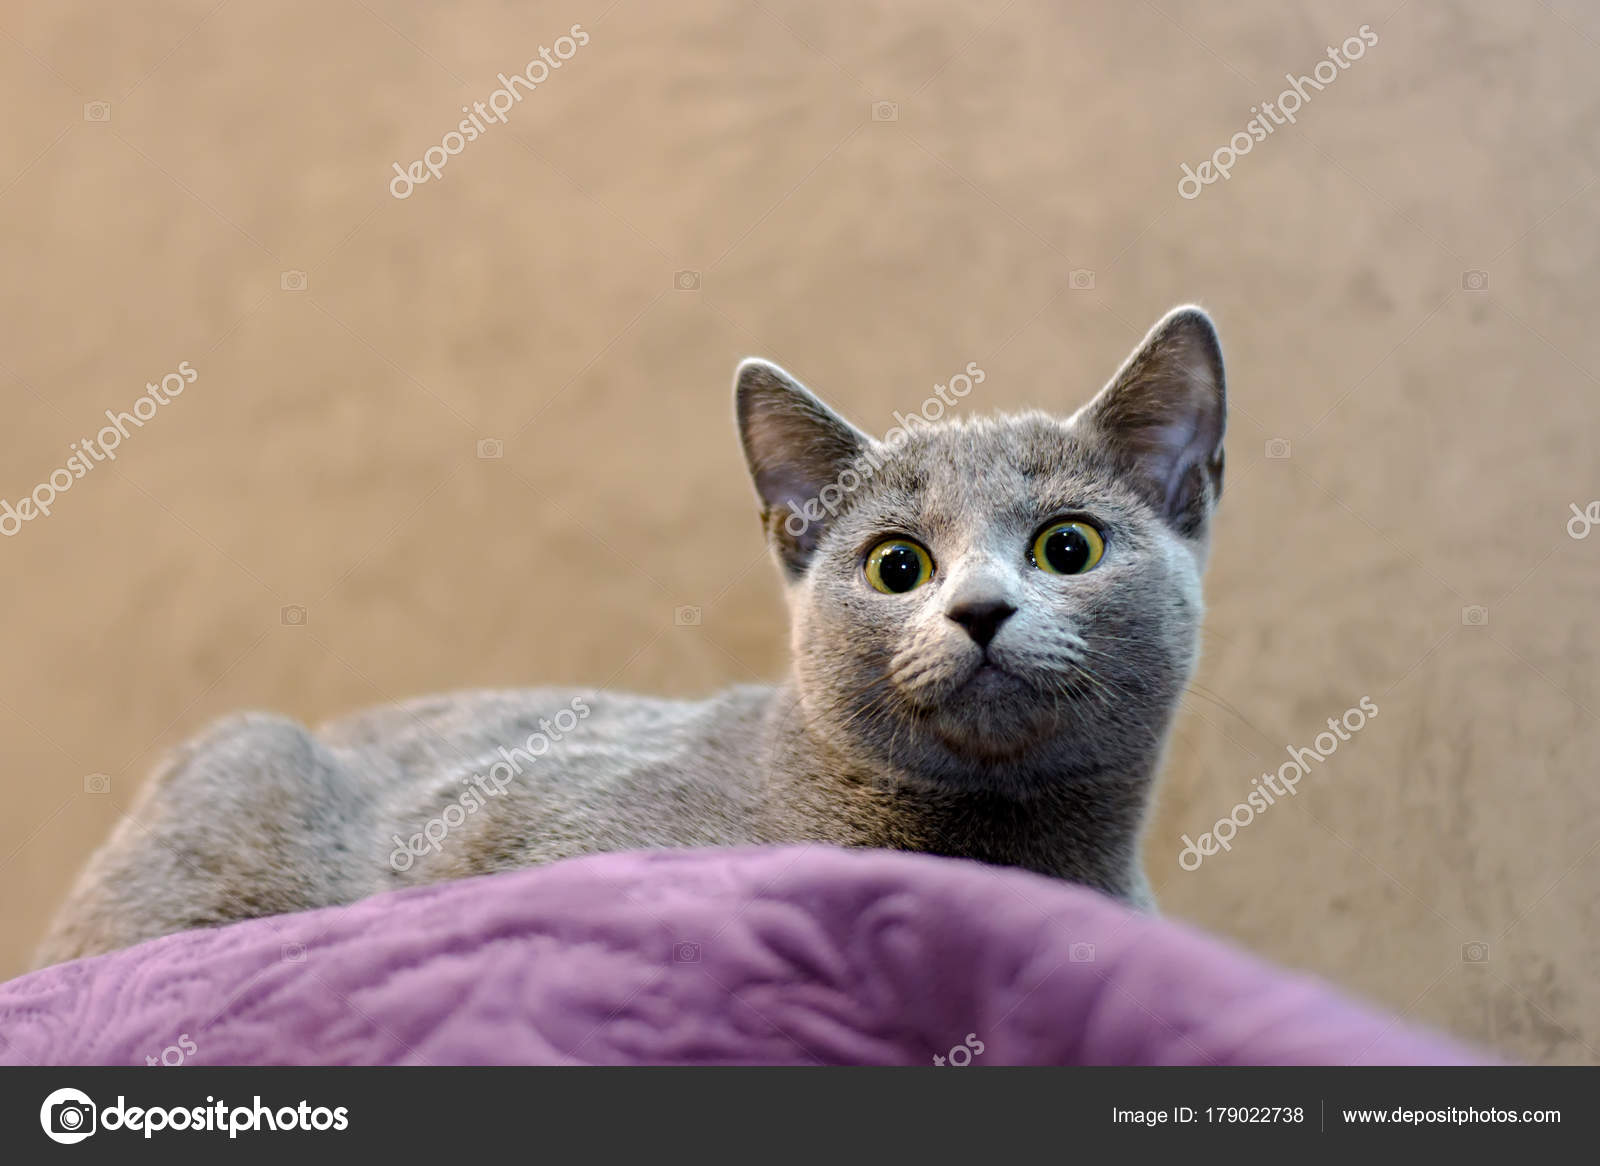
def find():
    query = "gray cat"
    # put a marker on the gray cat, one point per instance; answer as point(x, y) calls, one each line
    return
point(992, 622)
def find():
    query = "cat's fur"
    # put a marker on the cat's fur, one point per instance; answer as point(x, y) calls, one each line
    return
point(884, 734)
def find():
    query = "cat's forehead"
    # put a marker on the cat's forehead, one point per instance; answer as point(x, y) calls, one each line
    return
point(988, 468)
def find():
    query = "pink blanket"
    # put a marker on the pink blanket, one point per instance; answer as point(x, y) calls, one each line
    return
point(795, 955)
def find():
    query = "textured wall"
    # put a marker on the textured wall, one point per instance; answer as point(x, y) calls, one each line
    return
point(1439, 424)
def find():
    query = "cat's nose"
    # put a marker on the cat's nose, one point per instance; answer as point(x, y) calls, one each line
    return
point(982, 618)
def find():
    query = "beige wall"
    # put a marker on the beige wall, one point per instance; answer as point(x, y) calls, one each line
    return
point(325, 457)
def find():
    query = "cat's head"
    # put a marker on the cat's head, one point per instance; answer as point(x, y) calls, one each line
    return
point(1005, 601)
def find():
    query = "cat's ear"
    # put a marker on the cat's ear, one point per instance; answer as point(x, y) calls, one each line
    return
point(1163, 416)
point(796, 447)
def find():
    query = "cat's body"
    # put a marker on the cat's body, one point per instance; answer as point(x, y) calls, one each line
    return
point(954, 693)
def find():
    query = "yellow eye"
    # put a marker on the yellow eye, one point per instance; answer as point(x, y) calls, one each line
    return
point(1067, 548)
point(897, 566)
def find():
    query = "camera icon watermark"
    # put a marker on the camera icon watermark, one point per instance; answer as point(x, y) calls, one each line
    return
point(294, 281)
point(885, 111)
point(491, 447)
point(687, 616)
point(1081, 953)
point(1476, 952)
point(1474, 280)
point(293, 616)
point(68, 1116)
point(1474, 615)
point(1080, 279)
point(97, 111)
point(97, 783)
point(1278, 447)
point(294, 953)
point(686, 280)
point(685, 952)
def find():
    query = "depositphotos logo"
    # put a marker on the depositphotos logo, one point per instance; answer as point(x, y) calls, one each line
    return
point(1260, 798)
point(70, 1115)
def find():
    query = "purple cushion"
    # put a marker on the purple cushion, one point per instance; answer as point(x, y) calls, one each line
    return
point(793, 955)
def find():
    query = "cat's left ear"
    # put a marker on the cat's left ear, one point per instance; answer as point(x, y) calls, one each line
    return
point(1163, 417)
point(796, 447)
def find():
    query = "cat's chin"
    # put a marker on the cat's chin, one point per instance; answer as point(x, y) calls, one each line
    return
point(992, 718)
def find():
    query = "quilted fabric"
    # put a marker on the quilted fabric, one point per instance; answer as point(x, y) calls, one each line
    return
point(796, 955)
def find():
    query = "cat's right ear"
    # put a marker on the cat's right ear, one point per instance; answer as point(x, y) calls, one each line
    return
point(1163, 417)
point(796, 447)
